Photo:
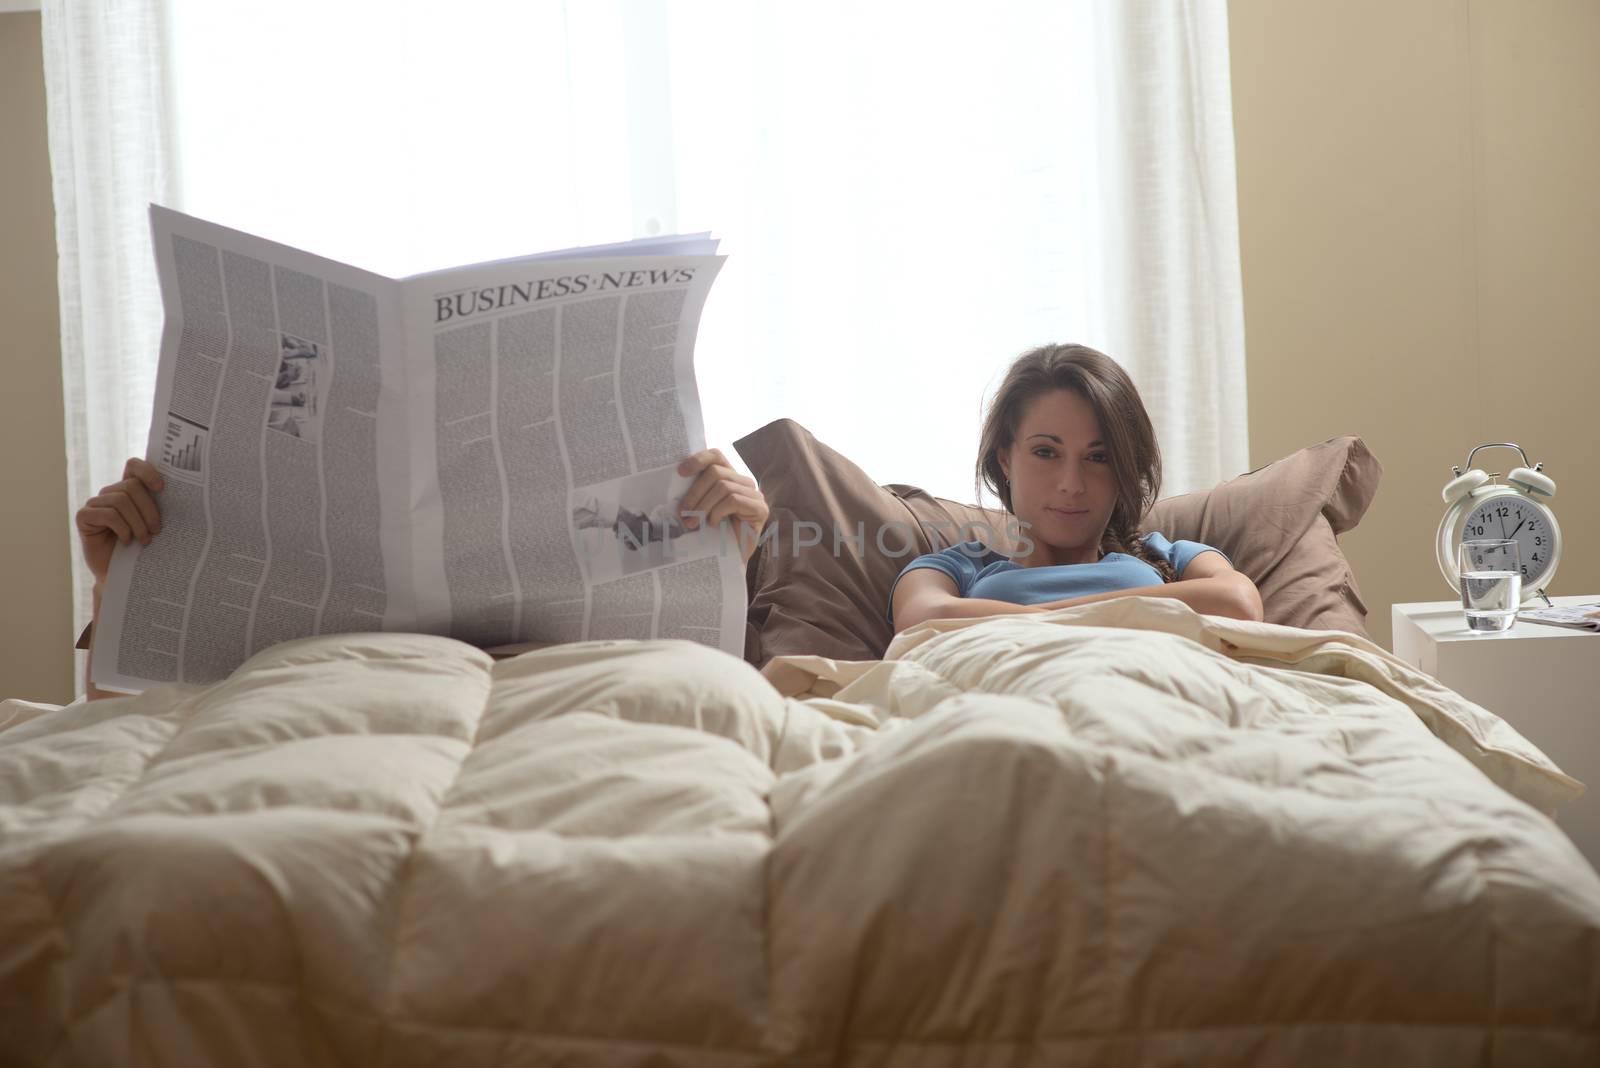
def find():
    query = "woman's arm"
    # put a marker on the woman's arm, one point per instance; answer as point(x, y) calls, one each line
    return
point(121, 512)
point(1210, 586)
point(926, 594)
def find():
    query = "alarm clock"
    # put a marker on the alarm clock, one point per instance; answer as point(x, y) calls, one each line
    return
point(1518, 510)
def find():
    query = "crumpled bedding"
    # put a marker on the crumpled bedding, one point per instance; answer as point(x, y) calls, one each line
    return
point(1122, 834)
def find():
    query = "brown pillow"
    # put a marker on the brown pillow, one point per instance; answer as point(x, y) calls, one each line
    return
point(836, 540)
point(1278, 524)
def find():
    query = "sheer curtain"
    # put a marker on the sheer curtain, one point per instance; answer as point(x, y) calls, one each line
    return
point(910, 194)
point(111, 154)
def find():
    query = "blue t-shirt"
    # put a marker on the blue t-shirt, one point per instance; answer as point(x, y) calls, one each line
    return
point(981, 572)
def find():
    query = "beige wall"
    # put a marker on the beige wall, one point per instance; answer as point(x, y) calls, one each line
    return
point(1420, 230)
point(35, 538)
point(1419, 218)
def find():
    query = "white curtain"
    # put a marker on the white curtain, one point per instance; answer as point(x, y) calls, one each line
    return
point(910, 194)
point(111, 154)
point(1173, 301)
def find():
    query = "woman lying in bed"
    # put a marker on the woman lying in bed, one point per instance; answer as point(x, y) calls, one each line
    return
point(1069, 450)
point(126, 511)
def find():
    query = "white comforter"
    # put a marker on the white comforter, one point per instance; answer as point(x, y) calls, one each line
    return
point(1119, 834)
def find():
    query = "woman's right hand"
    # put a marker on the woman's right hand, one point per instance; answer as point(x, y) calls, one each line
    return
point(121, 512)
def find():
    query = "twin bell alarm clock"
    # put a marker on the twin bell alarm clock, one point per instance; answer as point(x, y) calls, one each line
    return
point(1518, 509)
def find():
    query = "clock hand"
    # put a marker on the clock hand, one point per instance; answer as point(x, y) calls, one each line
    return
point(1503, 533)
point(1514, 532)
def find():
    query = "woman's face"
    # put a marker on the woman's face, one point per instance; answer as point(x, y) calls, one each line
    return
point(1062, 483)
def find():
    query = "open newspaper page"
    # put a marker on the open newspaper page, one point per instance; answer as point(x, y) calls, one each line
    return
point(327, 472)
point(555, 400)
point(279, 427)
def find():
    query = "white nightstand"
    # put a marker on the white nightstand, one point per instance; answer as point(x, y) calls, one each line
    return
point(1543, 680)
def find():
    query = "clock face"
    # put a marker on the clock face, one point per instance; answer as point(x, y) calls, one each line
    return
point(1514, 516)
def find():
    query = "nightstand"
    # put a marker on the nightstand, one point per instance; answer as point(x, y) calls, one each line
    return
point(1543, 680)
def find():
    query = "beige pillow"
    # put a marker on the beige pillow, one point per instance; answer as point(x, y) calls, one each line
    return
point(836, 540)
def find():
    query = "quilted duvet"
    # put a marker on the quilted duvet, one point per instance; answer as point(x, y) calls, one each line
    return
point(1121, 834)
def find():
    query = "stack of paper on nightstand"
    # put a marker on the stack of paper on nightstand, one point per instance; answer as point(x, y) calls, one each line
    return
point(1585, 616)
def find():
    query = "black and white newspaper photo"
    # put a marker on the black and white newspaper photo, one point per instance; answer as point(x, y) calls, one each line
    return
point(347, 452)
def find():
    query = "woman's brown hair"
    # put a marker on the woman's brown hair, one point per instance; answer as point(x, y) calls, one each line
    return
point(1124, 424)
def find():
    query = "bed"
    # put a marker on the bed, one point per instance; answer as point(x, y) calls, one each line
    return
point(1123, 833)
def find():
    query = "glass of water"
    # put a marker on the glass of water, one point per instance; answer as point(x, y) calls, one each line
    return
point(1491, 584)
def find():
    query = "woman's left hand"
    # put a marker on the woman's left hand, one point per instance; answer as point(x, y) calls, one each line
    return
point(719, 492)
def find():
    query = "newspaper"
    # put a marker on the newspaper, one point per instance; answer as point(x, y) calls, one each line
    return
point(487, 453)
point(1583, 616)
